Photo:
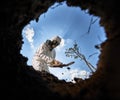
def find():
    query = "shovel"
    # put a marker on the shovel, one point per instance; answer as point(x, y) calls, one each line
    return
point(63, 65)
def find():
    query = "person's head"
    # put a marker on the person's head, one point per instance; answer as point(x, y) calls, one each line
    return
point(55, 41)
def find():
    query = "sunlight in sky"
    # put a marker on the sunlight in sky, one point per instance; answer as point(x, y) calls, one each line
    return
point(71, 24)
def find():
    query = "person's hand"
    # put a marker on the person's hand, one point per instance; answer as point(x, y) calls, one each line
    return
point(56, 62)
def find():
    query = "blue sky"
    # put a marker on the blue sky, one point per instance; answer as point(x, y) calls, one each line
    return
point(71, 24)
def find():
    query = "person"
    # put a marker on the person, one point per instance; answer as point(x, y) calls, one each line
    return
point(45, 55)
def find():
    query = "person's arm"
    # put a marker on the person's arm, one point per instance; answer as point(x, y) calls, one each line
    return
point(41, 52)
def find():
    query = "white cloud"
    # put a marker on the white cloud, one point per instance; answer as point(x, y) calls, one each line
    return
point(29, 34)
point(65, 43)
point(74, 73)
point(79, 74)
point(69, 75)
point(69, 41)
point(61, 46)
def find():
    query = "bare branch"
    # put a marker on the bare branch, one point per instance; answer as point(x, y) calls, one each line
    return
point(94, 20)
point(74, 52)
point(92, 54)
point(91, 22)
point(90, 25)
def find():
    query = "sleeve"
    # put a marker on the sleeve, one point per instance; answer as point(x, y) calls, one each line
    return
point(54, 54)
point(42, 53)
